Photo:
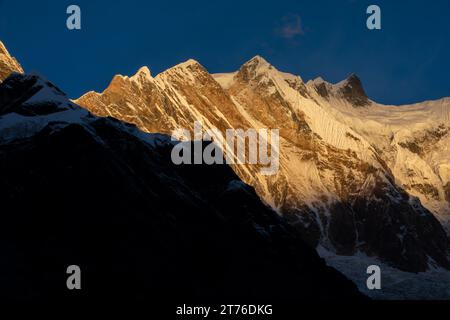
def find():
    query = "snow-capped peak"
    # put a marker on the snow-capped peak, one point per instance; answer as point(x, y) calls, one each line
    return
point(318, 80)
point(349, 89)
point(189, 70)
point(257, 65)
point(351, 80)
point(142, 74)
point(185, 67)
point(190, 62)
point(258, 60)
point(144, 71)
point(257, 71)
point(186, 64)
point(353, 91)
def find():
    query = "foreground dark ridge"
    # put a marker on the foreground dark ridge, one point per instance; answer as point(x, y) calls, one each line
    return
point(78, 189)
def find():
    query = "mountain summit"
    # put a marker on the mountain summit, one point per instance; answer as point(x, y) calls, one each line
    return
point(353, 91)
point(350, 89)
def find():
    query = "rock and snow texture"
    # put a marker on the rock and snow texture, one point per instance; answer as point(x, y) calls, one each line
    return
point(340, 181)
point(8, 64)
point(33, 102)
point(355, 176)
point(413, 140)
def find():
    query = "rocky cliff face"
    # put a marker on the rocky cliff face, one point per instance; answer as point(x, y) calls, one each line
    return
point(340, 182)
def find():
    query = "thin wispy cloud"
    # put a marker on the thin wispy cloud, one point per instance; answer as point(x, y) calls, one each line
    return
point(290, 26)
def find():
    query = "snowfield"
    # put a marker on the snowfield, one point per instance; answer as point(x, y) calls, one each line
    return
point(395, 284)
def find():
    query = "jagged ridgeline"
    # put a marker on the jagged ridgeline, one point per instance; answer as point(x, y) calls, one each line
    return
point(354, 175)
point(347, 180)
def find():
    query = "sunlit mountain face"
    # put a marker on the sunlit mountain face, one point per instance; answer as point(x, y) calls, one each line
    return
point(347, 185)
point(92, 179)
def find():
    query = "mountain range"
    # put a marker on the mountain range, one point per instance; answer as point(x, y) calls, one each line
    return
point(355, 176)
point(99, 193)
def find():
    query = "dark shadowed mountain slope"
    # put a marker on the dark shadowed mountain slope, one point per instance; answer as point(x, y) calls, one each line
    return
point(94, 192)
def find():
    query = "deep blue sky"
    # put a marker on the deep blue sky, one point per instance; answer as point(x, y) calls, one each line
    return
point(407, 61)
